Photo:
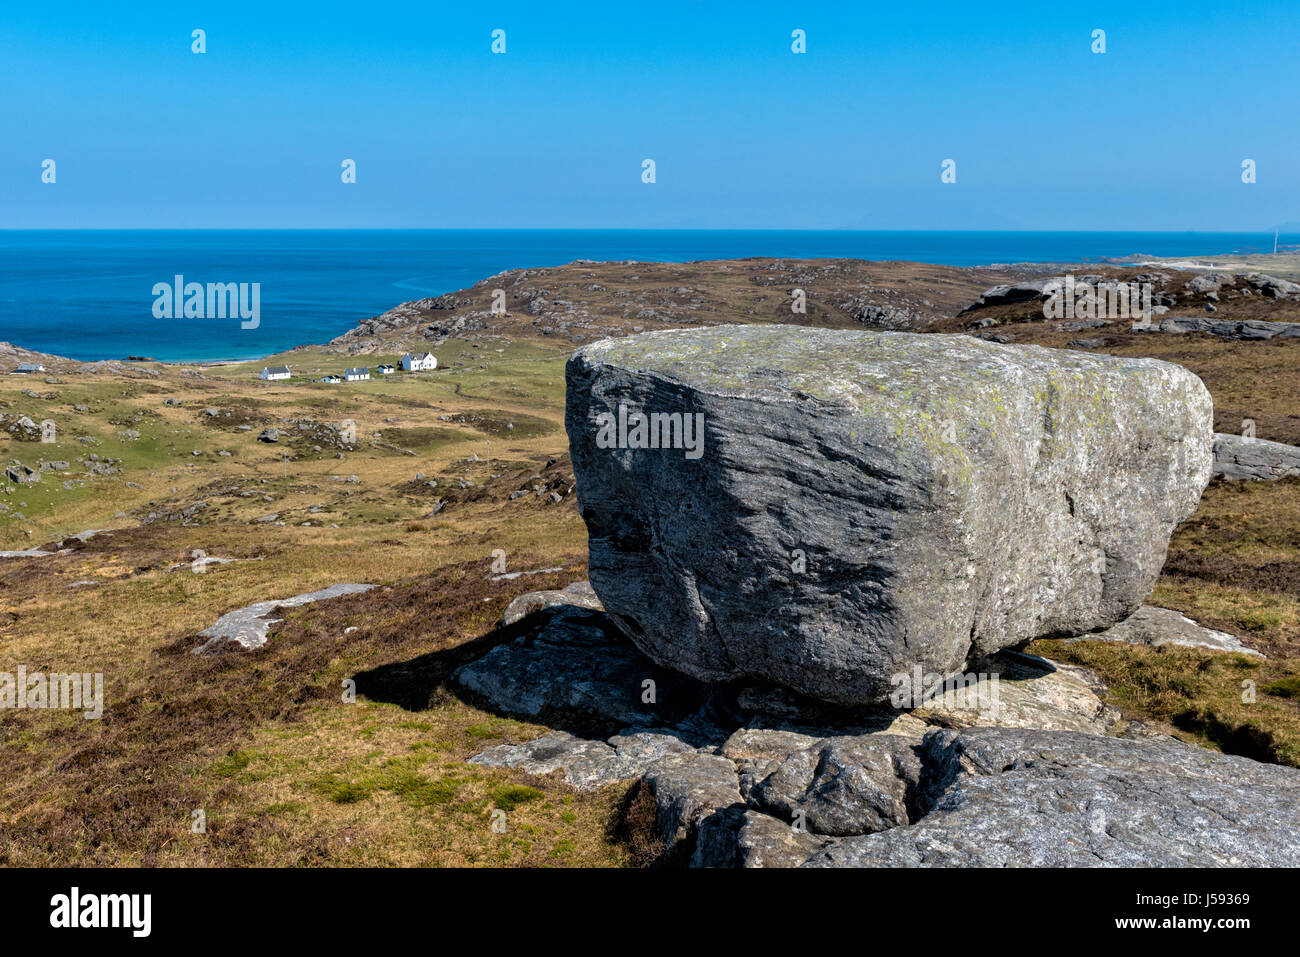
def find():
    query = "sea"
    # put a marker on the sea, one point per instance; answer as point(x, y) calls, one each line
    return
point(95, 294)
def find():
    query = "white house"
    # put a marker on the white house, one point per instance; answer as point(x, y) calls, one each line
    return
point(28, 367)
point(330, 378)
point(419, 361)
point(274, 372)
point(356, 375)
point(387, 370)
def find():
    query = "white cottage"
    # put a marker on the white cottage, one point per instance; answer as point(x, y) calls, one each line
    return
point(274, 372)
point(419, 361)
point(356, 375)
point(387, 370)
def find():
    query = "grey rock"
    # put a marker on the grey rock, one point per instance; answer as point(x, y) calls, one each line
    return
point(576, 661)
point(740, 837)
point(585, 764)
point(1239, 457)
point(1207, 282)
point(966, 497)
point(22, 474)
point(1013, 292)
point(1050, 798)
point(883, 316)
point(844, 785)
point(269, 435)
point(1030, 692)
point(1272, 287)
point(248, 627)
point(579, 593)
point(573, 663)
point(1152, 626)
point(1248, 329)
point(688, 788)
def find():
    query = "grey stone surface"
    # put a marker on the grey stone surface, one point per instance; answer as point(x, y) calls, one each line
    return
point(248, 627)
point(574, 665)
point(1013, 292)
point(1239, 457)
point(578, 593)
point(585, 763)
point(950, 496)
point(572, 662)
point(1272, 287)
point(933, 787)
point(1048, 798)
point(688, 788)
point(1154, 626)
point(1223, 328)
point(846, 785)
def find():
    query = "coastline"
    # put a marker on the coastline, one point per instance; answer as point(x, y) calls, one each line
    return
point(1285, 263)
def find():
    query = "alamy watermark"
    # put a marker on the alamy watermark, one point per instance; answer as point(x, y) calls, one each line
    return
point(1069, 298)
point(963, 692)
point(58, 691)
point(656, 430)
point(215, 300)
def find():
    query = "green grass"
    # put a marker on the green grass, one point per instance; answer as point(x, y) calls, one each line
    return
point(507, 797)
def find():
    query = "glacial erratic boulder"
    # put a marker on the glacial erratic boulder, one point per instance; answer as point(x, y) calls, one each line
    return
point(827, 509)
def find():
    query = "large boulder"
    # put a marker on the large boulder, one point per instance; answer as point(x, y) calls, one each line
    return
point(829, 509)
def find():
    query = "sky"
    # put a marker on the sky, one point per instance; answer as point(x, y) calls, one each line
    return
point(744, 132)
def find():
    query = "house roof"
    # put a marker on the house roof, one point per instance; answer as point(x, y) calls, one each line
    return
point(277, 370)
point(358, 372)
point(418, 355)
point(30, 367)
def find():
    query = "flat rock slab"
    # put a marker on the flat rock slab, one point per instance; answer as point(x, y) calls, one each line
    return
point(1152, 626)
point(860, 503)
point(1241, 457)
point(574, 668)
point(1249, 329)
point(1009, 798)
point(248, 627)
point(576, 661)
point(585, 763)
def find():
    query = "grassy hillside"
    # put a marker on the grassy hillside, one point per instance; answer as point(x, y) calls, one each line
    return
point(288, 772)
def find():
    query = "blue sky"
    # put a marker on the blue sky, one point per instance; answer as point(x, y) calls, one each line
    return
point(744, 133)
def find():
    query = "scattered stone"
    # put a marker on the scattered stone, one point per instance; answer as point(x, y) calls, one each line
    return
point(21, 474)
point(1223, 328)
point(1239, 457)
point(579, 593)
point(1152, 626)
point(248, 627)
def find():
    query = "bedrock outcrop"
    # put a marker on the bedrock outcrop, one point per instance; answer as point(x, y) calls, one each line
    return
point(827, 509)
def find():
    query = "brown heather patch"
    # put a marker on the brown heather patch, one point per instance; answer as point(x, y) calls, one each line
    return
point(121, 790)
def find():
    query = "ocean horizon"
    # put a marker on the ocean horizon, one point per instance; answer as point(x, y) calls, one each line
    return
point(90, 294)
